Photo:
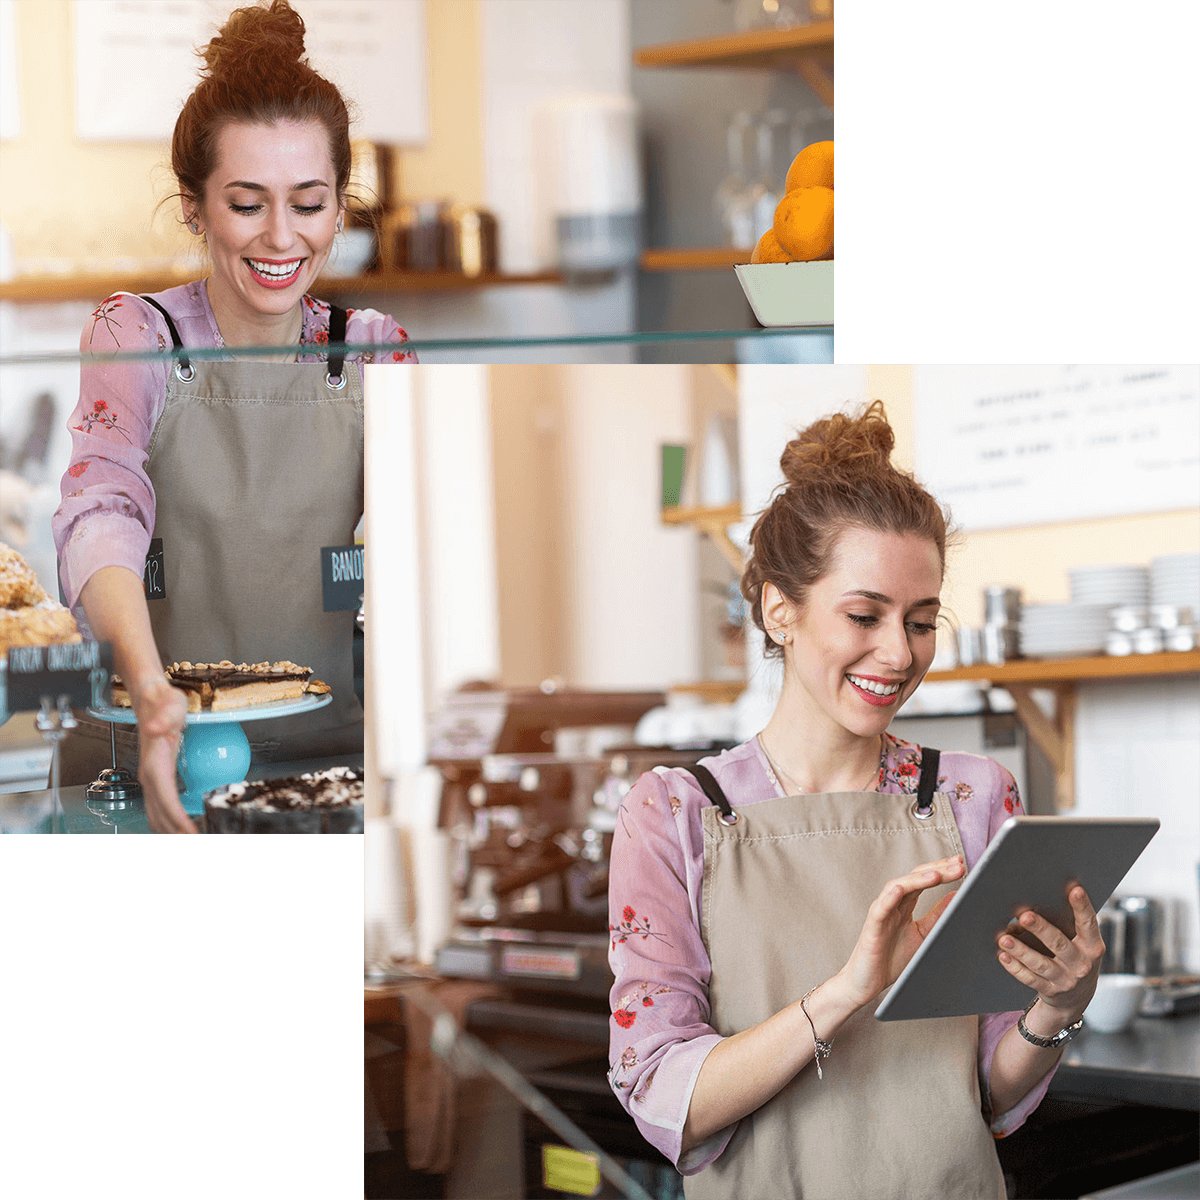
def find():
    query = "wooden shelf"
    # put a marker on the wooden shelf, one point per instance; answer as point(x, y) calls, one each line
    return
point(1056, 738)
point(1052, 671)
point(54, 289)
point(705, 258)
point(807, 50)
point(712, 522)
point(713, 691)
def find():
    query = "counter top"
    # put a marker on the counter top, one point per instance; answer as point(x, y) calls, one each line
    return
point(1156, 1062)
point(30, 812)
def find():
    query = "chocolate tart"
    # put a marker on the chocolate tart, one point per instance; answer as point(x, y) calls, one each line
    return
point(328, 801)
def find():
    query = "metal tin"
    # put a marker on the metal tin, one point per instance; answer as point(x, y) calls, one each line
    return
point(1001, 605)
point(1145, 934)
point(1112, 930)
point(1001, 643)
point(967, 645)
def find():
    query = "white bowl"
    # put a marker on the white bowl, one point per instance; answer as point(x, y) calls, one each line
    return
point(1115, 1003)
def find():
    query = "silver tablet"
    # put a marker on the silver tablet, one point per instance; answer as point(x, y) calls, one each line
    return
point(1030, 863)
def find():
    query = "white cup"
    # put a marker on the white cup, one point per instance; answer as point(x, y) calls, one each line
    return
point(1115, 1003)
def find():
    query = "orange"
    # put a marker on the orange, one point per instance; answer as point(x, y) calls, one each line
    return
point(769, 250)
point(812, 167)
point(804, 223)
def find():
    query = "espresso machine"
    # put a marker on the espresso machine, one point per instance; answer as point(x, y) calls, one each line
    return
point(532, 781)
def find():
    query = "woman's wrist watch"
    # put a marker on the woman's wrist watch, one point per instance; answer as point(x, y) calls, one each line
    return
point(1061, 1038)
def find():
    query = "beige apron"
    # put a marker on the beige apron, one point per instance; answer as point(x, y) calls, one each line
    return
point(255, 466)
point(897, 1116)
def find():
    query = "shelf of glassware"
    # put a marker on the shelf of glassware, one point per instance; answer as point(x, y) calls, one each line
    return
point(53, 289)
point(806, 49)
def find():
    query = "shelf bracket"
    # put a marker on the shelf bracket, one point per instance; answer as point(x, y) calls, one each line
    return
point(818, 74)
point(1055, 739)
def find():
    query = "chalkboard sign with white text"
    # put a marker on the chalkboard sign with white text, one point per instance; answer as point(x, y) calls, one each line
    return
point(343, 577)
point(78, 670)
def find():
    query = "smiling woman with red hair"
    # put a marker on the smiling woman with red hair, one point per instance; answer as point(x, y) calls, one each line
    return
point(762, 902)
point(239, 468)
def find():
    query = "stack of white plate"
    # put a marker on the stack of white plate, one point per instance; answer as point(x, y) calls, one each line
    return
point(1175, 579)
point(1113, 586)
point(1063, 630)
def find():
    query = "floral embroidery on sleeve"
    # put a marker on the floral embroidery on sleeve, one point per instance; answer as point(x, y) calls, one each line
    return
point(626, 1011)
point(963, 792)
point(629, 1060)
point(633, 926)
point(104, 312)
point(101, 415)
point(77, 469)
point(676, 805)
point(640, 1095)
point(1012, 799)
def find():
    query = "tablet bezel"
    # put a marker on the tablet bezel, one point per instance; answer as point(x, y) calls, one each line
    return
point(1028, 864)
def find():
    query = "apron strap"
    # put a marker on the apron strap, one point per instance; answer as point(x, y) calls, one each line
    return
point(183, 368)
point(928, 781)
point(712, 789)
point(335, 377)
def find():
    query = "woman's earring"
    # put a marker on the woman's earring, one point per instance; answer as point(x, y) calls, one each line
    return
point(339, 225)
point(193, 227)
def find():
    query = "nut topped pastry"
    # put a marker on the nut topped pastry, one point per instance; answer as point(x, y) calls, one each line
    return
point(225, 685)
point(28, 616)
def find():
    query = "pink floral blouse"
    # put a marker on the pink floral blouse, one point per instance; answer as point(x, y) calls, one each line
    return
point(660, 1034)
point(107, 510)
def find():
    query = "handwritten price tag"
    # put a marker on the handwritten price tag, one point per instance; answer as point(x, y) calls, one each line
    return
point(78, 670)
point(343, 577)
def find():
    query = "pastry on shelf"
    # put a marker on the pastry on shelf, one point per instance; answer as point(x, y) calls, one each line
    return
point(28, 615)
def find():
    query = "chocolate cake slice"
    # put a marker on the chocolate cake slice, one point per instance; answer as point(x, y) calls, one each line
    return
point(225, 685)
point(329, 801)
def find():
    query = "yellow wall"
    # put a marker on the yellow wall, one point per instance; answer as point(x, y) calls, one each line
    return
point(65, 199)
point(1035, 558)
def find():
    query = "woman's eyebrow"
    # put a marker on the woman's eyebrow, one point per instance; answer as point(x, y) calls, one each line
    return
point(928, 602)
point(259, 187)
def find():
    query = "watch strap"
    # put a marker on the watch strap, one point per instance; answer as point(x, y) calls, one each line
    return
point(1061, 1038)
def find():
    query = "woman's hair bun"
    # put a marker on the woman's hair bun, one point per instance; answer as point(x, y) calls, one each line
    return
point(840, 445)
point(258, 40)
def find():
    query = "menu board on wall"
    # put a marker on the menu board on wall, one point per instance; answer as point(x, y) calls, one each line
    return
point(1009, 446)
point(135, 63)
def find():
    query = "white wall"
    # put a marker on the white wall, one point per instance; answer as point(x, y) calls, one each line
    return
point(631, 592)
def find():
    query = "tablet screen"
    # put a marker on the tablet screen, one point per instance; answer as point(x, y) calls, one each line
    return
point(1030, 863)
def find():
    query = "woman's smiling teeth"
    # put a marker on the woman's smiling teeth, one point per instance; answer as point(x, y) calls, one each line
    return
point(871, 685)
point(275, 270)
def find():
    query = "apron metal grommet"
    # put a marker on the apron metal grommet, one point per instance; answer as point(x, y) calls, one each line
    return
point(732, 819)
point(335, 382)
point(181, 368)
point(923, 814)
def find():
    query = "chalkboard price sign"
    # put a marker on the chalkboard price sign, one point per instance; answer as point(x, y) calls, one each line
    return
point(153, 577)
point(78, 670)
point(343, 577)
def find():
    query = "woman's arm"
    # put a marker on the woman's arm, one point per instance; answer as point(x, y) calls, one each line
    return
point(115, 603)
point(744, 1071)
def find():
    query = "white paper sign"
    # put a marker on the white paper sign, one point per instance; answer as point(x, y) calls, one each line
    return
point(135, 63)
point(1009, 446)
point(10, 109)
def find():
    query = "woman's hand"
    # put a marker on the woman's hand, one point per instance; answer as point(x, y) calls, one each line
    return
point(1066, 981)
point(890, 936)
point(161, 710)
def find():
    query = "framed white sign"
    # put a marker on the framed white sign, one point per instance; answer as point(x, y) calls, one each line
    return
point(1010, 446)
point(135, 63)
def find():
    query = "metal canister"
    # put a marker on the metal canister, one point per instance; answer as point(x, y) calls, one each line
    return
point(1001, 605)
point(1112, 930)
point(1145, 935)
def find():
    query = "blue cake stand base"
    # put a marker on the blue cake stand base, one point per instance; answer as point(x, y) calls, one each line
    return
point(215, 750)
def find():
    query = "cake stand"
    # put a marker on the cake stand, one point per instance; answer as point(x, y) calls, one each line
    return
point(215, 750)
